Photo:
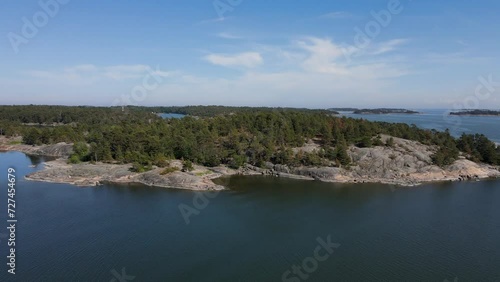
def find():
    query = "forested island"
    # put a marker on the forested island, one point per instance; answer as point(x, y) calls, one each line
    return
point(342, 109)
point(383, 111)
point(211, 111)
point(139, 146)
point(476, 113)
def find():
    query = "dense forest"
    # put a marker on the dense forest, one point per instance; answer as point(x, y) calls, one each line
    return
point(211, 111)
point(218, 135)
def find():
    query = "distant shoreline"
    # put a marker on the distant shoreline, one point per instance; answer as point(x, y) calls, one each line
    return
point(473, 115)
point(380, 111)
point(484, 113)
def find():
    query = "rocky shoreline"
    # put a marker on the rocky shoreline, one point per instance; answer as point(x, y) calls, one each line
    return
point(59, 171)
point(61, 150)
point(407, 163)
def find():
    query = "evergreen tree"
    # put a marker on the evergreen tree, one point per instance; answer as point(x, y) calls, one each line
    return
point(341, 152)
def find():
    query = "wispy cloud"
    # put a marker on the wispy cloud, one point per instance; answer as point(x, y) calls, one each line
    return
point(323, 56)
point(82, 68)
point(89, 73)
point(214, 20)
point(293, 71)
point(326, 56)
point(227, 35)
point(125, 71)
point(373, 49)
point(336, 15)
point(316, 73)
point(247, 60)
point(388, 46)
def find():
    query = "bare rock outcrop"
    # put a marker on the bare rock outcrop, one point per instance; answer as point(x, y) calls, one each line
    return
point(406, 163)
point(60, 150)
point(178, 179)
point(59, 171)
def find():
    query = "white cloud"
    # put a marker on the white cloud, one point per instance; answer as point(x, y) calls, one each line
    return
point(323, 56)
point(83, 68)
point(336, 15)
point(125, 71)
point(227, 35)
point(373, 49)
point(89, 73)
point(316, 74)
point(247, 60)
point(387, 46)
point(311, 72)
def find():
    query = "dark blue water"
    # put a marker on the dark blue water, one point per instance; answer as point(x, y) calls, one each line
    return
point(441, 120)
point(254, 232)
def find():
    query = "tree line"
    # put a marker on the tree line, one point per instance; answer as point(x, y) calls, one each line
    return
point(211, 111)
point(222, 136)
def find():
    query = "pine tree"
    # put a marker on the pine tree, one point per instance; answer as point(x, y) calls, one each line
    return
point(341, 152)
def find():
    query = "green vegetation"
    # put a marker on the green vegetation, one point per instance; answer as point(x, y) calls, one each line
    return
point(341, 155)
point(231, 136)
point(212, 111)
point(169, 170)
point(140, 168)
point(187, 166)
point(81, 153)
point(390, 142)
point(342, 109)
point(203, 173)
point(15, 142)
point(383, 111)
point(476, 113)
point(366, 142)
point(479, 148)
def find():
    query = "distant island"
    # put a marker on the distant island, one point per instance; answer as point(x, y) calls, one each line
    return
point(343, 109)
point(383, 111)
point(476, 113)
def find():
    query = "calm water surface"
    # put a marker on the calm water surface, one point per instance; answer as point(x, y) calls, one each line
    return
point(441, 120)
point(254, 232)
point(170, 116)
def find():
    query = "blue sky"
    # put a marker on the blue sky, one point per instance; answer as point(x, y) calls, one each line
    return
point(317, 54)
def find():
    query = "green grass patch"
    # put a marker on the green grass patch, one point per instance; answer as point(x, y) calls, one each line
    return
point(169, 170)
point(203, 173)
